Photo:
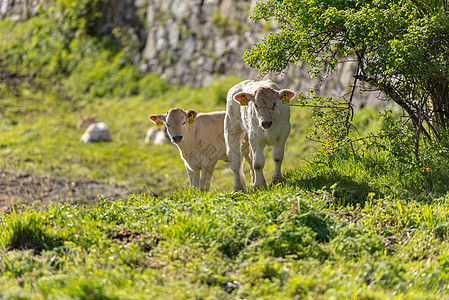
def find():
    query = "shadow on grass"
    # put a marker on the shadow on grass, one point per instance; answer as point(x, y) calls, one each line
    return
point(342, 190)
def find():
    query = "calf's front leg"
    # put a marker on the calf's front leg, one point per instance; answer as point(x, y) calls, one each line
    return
point(258, 158)
point(206, 176)
point(278, 154)
point(194, 177)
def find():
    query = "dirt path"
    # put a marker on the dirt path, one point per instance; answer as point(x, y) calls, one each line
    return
point(19, 187)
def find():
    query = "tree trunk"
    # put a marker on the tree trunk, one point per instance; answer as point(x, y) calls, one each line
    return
point(439, 95)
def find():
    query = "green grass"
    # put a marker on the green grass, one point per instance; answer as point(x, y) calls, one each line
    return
point(284, 242)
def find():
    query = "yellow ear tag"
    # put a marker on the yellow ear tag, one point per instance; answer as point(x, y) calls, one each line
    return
point(191, 119)
point(244, 101)
point(159, 123)
point(285, 99)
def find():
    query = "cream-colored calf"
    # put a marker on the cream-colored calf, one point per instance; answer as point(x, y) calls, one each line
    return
point(95, 131)
point(200, 139)
point(257, 114)
point(157, 136)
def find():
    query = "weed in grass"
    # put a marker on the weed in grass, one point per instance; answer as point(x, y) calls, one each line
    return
point(289, 239)
point(441, 231)
point(27, 231)
point(354, 242)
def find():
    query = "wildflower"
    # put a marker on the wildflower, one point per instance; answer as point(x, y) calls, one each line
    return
point(425, 169)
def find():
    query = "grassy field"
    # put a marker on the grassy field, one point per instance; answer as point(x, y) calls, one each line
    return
point(40, 134)
point(289, 241)
point(365, 223)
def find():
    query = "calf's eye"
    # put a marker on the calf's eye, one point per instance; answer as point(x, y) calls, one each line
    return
point(184, 123)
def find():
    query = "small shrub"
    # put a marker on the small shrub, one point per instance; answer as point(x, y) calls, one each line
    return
point(392, 160)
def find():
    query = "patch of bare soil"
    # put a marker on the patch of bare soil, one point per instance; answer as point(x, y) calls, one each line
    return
point(23, 188)
point(147, 240)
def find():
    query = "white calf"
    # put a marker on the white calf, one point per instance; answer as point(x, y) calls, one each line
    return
point(95, 131)
point(257, 114)
point(157, 135)
point(200, 140)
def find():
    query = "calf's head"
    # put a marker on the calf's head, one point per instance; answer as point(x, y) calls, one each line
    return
point(266, 100)
point(86, 121)
point(177, 121)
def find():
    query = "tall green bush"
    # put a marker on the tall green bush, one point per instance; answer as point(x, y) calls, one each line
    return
point(63, 45)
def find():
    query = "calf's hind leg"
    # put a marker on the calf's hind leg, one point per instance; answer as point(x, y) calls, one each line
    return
point(233, 152)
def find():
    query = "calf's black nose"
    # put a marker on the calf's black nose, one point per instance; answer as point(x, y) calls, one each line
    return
point(267, 124)
point(176, 138)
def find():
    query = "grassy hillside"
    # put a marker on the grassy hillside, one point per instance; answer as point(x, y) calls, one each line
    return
point(361, 218)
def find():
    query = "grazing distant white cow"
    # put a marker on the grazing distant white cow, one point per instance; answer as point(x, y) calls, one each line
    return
point(157, 136)
point(95, 131)
point(257, 114)
point(200, 139)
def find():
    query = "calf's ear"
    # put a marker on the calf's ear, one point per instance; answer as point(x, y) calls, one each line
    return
point(191, 114)
point(243, 98)
point(286, 95)
point(158, 119)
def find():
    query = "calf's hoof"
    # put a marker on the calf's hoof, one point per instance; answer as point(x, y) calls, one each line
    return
point(276, 179)
point(260, 187)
